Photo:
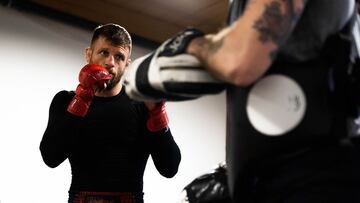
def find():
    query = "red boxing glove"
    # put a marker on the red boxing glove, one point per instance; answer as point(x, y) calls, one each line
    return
point(90, 76)
point(158, 118)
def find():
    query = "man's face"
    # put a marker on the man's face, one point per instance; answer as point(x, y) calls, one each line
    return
point(114, 58)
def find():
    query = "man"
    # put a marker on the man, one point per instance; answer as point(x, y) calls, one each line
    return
point(106, 136)
point(286, 108)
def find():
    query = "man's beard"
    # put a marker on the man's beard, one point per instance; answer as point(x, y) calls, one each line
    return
point(113, 82)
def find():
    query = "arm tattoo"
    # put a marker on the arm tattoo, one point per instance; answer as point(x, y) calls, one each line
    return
point(275, 25)
point(214, 47)
point(206, 48)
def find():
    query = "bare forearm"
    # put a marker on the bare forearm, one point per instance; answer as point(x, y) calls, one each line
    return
point(206, 50)
point(240, 54)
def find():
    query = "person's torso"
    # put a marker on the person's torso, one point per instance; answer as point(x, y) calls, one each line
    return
point(247, 147)
point(110, 151)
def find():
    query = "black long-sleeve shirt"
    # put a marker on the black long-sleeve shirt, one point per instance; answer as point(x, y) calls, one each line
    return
point(109, 147)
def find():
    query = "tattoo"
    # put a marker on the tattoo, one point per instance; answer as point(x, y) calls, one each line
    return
point(211, 49)
point(275, 25)
point(214, 47)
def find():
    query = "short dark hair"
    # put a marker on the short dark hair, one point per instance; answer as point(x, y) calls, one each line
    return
point(116, 34)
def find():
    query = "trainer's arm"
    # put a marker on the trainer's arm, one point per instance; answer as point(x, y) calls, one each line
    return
point(59, 134)
point(242, 52)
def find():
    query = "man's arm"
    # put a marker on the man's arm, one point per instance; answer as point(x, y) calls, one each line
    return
point(59, 134)
point(164, 152)
point(66, 112)
point(163, 148)
point(242, 52)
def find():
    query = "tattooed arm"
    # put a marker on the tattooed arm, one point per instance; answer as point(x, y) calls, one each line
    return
point(241, 53)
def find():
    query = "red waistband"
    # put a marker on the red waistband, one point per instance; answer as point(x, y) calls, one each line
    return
point(105, 197)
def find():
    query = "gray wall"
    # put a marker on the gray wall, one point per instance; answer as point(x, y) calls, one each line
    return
point(38, 58)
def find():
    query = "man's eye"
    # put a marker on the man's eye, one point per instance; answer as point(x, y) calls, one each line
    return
point(118, 58)
point(105, 53)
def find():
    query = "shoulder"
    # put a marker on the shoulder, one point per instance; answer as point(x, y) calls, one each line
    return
point(135, 103)
point(64, 94)
point(63, 97)
point(138, 106)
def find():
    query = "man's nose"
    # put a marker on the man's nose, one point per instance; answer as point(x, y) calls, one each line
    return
point(110, 61)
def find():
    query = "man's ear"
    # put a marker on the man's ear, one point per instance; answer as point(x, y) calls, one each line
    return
point(88, 53)
point(128, 62)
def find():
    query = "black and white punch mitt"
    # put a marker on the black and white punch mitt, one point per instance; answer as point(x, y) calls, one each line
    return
point(169, 73)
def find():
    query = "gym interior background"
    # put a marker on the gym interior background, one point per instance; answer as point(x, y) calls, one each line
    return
point(41, 52)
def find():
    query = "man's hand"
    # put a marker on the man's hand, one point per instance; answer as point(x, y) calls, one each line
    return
point(91, 77)
point(158, 118)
